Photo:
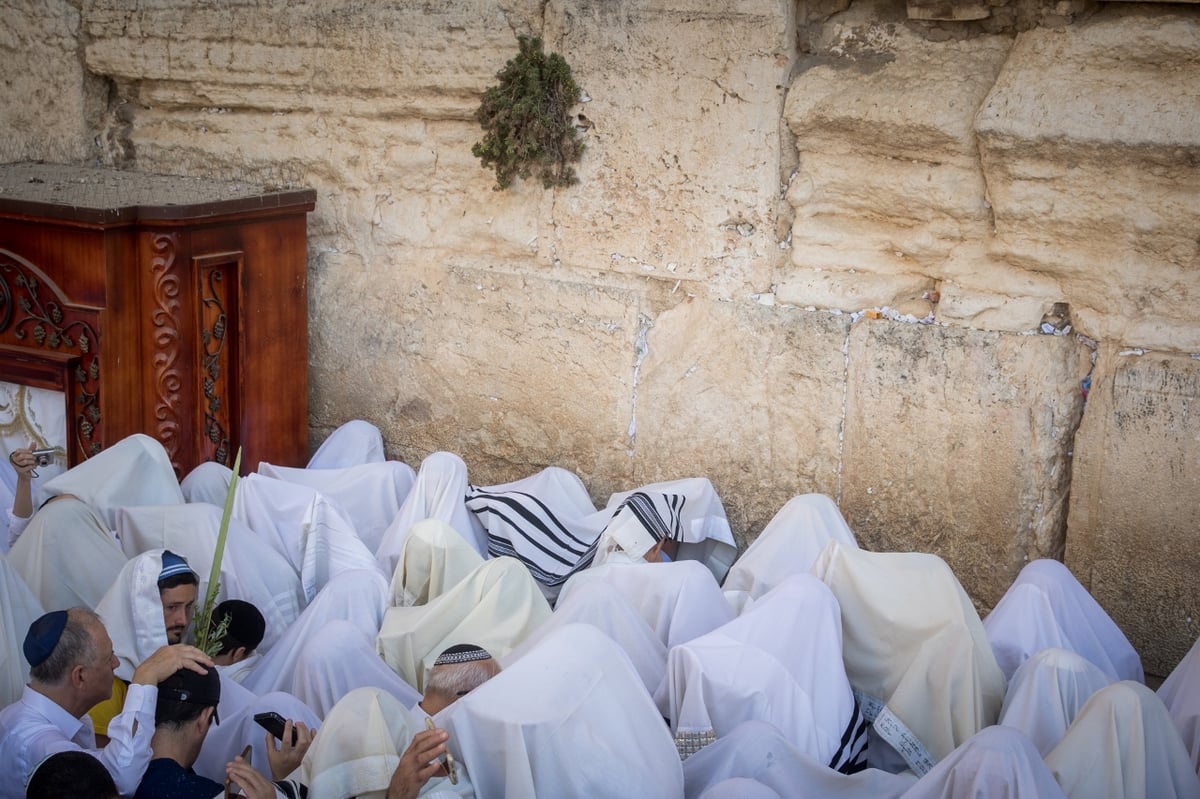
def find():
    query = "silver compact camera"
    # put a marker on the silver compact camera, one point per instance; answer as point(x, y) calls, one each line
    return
point(44, 457)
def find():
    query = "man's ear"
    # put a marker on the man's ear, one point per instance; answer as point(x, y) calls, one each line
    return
point(204, 720)
point(240, 653)
point(76, 675)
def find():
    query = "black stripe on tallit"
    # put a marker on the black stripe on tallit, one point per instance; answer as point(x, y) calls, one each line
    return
point(510, 500)
point(642, 506)
point(851, 756)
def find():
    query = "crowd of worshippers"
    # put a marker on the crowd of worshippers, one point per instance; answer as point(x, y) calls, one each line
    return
point(395, 633)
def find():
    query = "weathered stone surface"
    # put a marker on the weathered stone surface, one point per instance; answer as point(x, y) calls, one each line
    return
point(890, 197)
point(508, 326)
point(1134, 538)
point(1091, 148)
point(746, 395)
point(47, 107)
point(957, 442)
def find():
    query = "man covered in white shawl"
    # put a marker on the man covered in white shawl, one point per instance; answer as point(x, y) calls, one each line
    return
point(1180, 692)
point(1047, 607)
point(1046, 694)
point(915, 652)
point(434, 559)
point(570, 719)
point(18, 609)
point(357, 441)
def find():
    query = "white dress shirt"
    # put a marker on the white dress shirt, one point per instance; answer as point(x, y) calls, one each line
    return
point(36, 727)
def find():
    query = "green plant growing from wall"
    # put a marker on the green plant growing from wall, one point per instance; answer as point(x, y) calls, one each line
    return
point(526, 119)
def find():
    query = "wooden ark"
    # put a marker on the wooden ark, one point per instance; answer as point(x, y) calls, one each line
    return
point(171, 306)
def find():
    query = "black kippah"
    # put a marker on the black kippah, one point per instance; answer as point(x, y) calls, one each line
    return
point(462, 653)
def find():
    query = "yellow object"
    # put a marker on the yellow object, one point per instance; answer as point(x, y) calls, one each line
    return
point(105, 711)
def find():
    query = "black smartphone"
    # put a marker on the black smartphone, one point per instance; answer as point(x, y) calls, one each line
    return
point(273, 723)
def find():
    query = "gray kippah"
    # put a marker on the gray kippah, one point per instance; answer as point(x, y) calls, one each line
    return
point(462, 653)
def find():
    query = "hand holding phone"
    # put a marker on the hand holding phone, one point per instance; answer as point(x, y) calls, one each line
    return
point(274, 723)
point(448, 760)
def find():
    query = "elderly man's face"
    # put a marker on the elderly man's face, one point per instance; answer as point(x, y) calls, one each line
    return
point(177, 604)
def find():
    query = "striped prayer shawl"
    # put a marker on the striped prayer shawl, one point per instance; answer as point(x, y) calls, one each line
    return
point(851, 756)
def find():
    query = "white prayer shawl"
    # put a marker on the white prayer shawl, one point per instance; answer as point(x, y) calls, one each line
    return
point(1180, 692)
point(788, 545)
point(134, 471)
point(339, 658)
point(495, 607)
point(757, 750)
point(358, 596)
point(304, 526)
point(132, 612)
point(439, 492)
point(359, 747)
point(435, 558)
point(779, 662)
point(225, 741)
point(19, 608)
point(250, 569)
point(740, 788)
point(1046, 694)
point(706, 536)
point(355, 442)
point(1123, 745)
point(569, 719)
point(995, 763)
point(370, 494)
point(601, 605)
point(1047, 607)
point(547, 521)
point(208, 482)
point(914, 649)
point(680, 601)
point(67, 555)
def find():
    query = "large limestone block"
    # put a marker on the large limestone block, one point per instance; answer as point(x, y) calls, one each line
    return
point(1091, 148)
point(747, 395)
point(958, 442)
point(46, 102)
point(512, 372)
point(889, 188)
point(1133, 538)
point(681, 176)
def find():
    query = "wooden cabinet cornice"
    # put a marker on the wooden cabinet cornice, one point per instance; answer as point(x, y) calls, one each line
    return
point(158, 304)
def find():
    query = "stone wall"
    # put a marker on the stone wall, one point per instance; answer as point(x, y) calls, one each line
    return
point(813, 249)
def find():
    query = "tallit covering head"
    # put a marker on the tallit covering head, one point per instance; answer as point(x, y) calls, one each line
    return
point(495, 607)
point(357, 441)
point(547, 521)
point(339, 658)
point(703, 527)
point(788, 545)
point(759, 751)
point(1123, 744)
point(602, 606)
point(914, 650)
point(435, 558)
point(18, 609)
point(67, 555)
point(679, 601)
point(780, 662)
point(438, 492)
point(1180, 692)
point(369, 494)
point(995, 763)
point(304, 526)
point(250, 569)
point(134, 471)
point(643, 519)
point(132, 612)
point(1046, 694)
point(208, 482)
point(358, 596)
point(1047, 607)
point(360, 744)
point(570, 719)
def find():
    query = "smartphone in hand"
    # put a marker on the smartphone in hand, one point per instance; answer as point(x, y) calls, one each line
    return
point(273, 723)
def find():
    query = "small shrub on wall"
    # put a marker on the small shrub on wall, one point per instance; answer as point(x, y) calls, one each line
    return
point(526, 120)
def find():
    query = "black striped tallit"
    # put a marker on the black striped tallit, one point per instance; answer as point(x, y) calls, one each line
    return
point(851, 755)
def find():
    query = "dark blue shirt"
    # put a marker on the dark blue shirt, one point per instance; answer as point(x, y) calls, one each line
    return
point(166, 779)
